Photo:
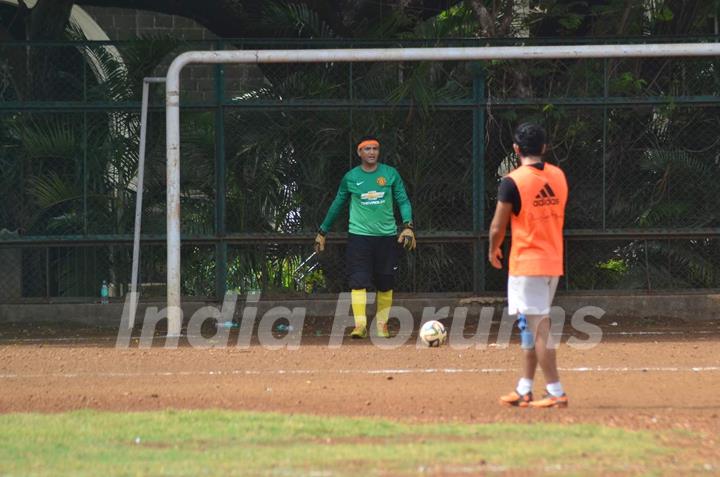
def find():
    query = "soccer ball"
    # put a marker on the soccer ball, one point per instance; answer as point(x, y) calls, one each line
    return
point(433, 334)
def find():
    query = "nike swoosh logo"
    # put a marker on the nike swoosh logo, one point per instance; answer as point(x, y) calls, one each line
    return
point(359, 183)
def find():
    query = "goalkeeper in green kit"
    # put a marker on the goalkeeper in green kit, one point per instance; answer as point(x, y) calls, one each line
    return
point(373, 247)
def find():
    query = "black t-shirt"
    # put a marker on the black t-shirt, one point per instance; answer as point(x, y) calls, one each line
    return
point(508, 191)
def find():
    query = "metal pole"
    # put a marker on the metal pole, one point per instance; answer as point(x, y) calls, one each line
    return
point(134, 294)
point(172, 102)
point(606, 92)
point(220, 185)
point(478, 177)
point(172, 134)
point(84, 159)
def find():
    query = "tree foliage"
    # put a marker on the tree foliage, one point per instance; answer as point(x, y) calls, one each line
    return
point(645, 166)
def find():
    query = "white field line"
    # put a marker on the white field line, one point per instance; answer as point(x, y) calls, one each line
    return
point(96, 339)
point(389, 371)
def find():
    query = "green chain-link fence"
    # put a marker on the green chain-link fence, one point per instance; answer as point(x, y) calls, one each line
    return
point(264, 148)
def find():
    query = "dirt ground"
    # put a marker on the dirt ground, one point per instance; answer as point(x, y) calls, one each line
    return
point(643, 375)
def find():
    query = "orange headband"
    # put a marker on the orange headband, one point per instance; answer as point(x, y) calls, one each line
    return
point(369, 142)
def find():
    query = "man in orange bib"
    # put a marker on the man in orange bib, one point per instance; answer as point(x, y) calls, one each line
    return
point(532, 198)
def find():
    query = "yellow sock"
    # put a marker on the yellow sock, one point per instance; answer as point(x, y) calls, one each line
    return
point(358, 299)
point(384, 302)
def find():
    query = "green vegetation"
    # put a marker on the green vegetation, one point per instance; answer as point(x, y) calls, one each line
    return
point(636, 137)
point(239, 443)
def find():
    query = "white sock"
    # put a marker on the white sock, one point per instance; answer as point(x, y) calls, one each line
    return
point(524, 386)
point(555, 389)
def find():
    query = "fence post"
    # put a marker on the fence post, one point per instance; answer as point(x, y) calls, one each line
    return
point(220, 211)
point(85, 152)
point(606, 92)
point(478, 176)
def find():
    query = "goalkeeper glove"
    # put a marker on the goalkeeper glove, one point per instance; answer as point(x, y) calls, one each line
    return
point(320, 241)
point(407, 237)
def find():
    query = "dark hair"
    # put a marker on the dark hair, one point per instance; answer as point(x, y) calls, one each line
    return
point(369, 137)
point(530, 138)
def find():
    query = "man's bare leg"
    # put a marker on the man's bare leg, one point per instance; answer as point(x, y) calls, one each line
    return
point(547, 359)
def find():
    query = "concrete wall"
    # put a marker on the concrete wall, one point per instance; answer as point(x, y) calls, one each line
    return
point(690, 307)
point(126, 24)
point(198, 82)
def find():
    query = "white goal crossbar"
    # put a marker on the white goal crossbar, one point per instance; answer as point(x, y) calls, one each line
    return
point(172, 102)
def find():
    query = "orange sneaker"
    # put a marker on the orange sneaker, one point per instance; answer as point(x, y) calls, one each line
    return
point(516, 400)
point(551, 401)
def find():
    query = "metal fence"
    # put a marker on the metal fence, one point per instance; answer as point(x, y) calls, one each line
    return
point(264, 148)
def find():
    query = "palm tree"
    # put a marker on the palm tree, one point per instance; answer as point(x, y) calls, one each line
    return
point(76, 171)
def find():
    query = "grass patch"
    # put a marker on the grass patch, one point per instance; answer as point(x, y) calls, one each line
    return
point(196, 443)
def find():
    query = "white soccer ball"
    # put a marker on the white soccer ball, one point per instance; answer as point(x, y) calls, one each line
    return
point(433, 333)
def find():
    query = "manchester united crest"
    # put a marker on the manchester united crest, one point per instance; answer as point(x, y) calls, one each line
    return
point(381, 181)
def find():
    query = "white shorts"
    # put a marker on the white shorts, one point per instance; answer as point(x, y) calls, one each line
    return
point(531, 295)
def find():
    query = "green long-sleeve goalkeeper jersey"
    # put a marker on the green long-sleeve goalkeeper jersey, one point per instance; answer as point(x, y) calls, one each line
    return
point(372, 195)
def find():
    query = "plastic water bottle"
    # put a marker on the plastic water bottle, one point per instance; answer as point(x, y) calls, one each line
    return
point(104, 293)
point(283, 328)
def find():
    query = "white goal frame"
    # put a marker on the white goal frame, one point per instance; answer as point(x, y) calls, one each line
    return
point(172, 102)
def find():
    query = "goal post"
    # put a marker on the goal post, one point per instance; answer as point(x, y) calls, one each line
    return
point(172, 102)
point(134, 287)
